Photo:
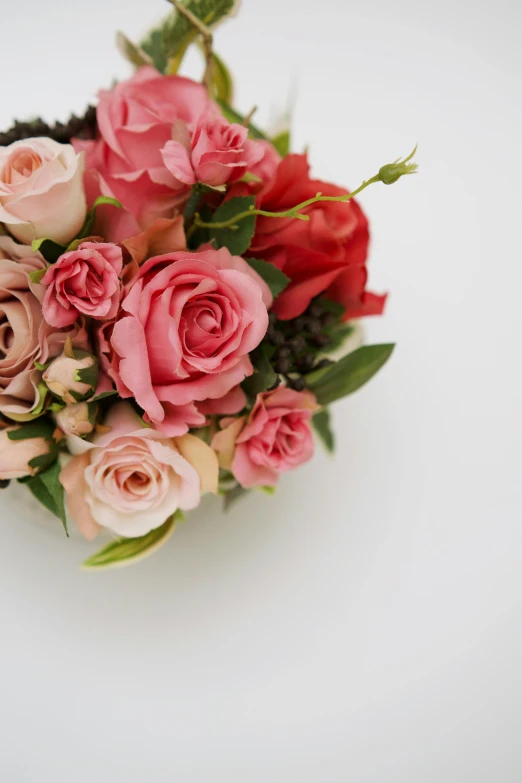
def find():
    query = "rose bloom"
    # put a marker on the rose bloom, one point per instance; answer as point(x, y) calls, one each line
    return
point(41, 190)
point(324, 255)
point(25, 338)
point(185, 331)
point(274, 438)
point(215, 153)
point(135, 121)
point(83, 281)
point(15, 455)
point(131, 479)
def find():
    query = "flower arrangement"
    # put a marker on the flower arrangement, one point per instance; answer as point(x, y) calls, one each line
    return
point(173, 288)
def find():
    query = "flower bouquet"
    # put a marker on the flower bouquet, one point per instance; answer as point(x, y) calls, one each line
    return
point(174, 287)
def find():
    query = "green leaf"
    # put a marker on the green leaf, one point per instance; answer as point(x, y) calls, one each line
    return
point(88, 375)
point(232, 115)
point(264, 376)
point(276, 280)
point(236, 238)
point(154, 44)
point(88, 225)
point(44, 461)
point(47, 489)
point(322, 426)
point(36, 275)
point(338, 336)
point(329, 306)
point(282, 143)
point(125, 551)
point(179, 32)
point(50, 250)
point(134, 54)
point(40, 428)
point(222, 80)
point(103, 395)
point(349, 374)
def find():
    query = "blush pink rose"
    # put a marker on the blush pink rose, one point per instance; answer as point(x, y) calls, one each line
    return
point(25, 338)
point(135, 121)
point(274, 438)
point(131, 479)
point(186, 329)
point(214, 153)
point(41, 190)
point(85, 281)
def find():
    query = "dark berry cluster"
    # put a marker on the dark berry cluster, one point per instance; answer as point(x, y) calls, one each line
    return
point(76, 127)
point(298, 343)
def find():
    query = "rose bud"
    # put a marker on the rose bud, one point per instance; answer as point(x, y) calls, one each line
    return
point(41, 190)
point(390, 173)
point(15, 455)
point(72, 379)
point(77, 419)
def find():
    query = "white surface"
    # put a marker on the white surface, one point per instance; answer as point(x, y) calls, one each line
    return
point(366, 625)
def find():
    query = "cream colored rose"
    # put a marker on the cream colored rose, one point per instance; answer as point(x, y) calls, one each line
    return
point(41, 190)
point(132, 479)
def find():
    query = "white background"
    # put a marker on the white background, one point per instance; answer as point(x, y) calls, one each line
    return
point(365, 625)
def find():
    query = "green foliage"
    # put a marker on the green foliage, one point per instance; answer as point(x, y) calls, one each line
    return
point(282, 143)
point(338, 336)
point(179, 32)
point(134, 54)
point(236, 238)
point(40, 428)
point(154, 45)
point(322, 426)
point(264, 376)
point(125, 551)
point(88, 225)
point(232, 115)
point(36, 277)
point(222, 81)
point(349, 374)
point(276, 280)
point(47, 489)
point(49, 249)
point(88, 375)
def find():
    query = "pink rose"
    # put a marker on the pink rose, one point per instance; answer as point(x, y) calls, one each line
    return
point(41, 190)
point(214, 153)
point(25, 338)
point(84, 281)
point(135, 121)
point(186, 329)
point(275, 437)
point(15, 455)
point(132, 479)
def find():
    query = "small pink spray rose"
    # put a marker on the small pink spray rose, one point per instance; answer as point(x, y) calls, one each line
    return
point(84, 281)
point(216, 153)
point(274, 438)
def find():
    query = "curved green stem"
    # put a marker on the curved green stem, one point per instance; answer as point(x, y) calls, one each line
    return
point(294, 212)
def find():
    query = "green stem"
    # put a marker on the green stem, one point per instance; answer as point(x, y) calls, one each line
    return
point(294, 212)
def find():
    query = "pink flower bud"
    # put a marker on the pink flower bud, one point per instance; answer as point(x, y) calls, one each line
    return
point(15, 455)
point(72, 379)
point(76, 419)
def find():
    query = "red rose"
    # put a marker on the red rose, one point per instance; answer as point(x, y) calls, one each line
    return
point(326, 254)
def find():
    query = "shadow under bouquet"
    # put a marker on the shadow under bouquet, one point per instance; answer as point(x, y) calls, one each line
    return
point(175, 289)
